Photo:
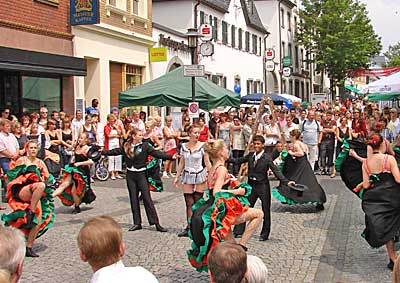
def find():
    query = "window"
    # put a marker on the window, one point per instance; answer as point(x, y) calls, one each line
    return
point(257, 87)
point(215, 29)
point(223, 82)
point(120, 4)
point(259, 47)
point(247, 40)
point(290, 51)
point(302, 58)
point(255, 39)
point(282, 18)
point(291, 87)
point(283, 49)
point(296, 55)
point(249, 86)
point(295, 23)
point(133, 76)
point(289, 16)
point(202, 17)
point(233, 34)
point(49, 2)
point(224, 33)
point(37, 92)
point(240, 45)
point(135, 7)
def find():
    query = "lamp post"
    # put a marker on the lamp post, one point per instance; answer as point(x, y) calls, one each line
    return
point(192, 36)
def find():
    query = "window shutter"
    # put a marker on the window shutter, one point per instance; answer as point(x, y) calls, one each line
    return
point(224, 33)
point(202, 17)
point(233, 32)
point(247, 39)
point(240, 45)
point(215, 29)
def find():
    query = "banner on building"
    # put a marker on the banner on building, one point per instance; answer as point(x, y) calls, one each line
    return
point(84, 12)
point(158, 54)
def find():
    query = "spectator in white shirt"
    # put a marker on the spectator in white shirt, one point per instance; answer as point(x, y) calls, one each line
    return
point(9, 147)
point(137, 122)
point(100, 244)
point(77, 122)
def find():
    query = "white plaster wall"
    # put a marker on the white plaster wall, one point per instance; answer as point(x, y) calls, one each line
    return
point(96, 45)
point(226, 61)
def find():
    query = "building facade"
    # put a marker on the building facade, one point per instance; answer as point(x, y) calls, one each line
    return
point(116, 51)
point(237, 35)
point(36, 56)
point(281, 18)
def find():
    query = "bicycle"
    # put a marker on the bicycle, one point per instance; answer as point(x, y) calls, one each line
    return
point(101, 169)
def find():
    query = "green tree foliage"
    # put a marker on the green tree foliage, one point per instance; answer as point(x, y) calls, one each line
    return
point(339, 34)
point(393, 55)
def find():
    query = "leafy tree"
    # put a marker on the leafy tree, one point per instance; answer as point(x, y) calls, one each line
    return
point(393, 55)
point(339, 34)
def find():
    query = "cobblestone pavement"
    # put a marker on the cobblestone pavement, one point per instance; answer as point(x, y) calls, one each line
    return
point(304, 245)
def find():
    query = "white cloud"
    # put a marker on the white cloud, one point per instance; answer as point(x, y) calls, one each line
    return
point(385, 17)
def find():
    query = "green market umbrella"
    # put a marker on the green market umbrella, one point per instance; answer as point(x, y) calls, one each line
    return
point(353, 89)
point(175, 90)
point(383, 96)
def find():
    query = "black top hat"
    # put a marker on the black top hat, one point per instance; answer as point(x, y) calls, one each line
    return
point(94, 153)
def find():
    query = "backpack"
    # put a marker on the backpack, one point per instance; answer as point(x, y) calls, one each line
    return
point(302, 126)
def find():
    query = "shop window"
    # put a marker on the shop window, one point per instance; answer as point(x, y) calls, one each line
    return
point(38, 92)
point(240, 35)
point(224, 33)
point(120, 4)
point(134, 76)
point(247, 40)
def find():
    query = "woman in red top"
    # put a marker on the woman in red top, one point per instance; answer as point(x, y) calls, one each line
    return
point(112, 137)
point(204, 131)
point(358, 126)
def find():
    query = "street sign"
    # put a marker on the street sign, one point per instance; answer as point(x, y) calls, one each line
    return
point(193, 110)
point(206, 32)
point(193, 70)
point(287, 61)
point(287, 71)
point(269, 54)
point(270, 66)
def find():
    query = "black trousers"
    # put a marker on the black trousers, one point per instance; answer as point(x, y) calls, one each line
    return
point(327, 150)
point(137, 182)
point(262, 191)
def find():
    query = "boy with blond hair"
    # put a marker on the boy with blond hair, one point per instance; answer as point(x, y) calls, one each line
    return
point(100, 244)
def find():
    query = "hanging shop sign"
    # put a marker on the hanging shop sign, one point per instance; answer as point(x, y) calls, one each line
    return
point(84, 12)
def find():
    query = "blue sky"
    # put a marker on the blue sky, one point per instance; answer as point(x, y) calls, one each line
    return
point(385, 17)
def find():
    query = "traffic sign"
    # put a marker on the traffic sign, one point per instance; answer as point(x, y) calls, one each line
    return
point(270, 54)
point(287, 71)
point(206, 32)
point(270, 66)
point(193, 109)
point(287, 61)
point(193, 70)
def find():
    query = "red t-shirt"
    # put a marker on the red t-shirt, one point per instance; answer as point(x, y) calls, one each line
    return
point(203, 134)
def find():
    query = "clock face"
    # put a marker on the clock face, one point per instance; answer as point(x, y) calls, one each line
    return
point(207, 49)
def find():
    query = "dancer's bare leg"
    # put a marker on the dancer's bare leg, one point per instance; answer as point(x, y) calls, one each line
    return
point(32, 193)
point(34, 231)
point(65, 183)
point(391, 251)
point(255, 217)
point(75, 196)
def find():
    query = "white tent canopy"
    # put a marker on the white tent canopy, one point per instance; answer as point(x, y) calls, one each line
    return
point(389, 84)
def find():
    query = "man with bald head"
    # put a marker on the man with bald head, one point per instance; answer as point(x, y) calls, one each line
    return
point(212, 125)
point(310, 130)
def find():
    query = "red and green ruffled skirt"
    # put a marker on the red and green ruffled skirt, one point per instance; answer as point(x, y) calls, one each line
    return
point(212, 220)
point(17, 178)
point(79, 179)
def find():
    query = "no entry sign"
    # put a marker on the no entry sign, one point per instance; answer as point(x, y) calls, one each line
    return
point(193, 109)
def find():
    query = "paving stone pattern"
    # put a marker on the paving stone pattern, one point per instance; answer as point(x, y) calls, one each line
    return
point(304, 245)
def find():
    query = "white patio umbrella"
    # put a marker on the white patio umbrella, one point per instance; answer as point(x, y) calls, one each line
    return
point(387, 88)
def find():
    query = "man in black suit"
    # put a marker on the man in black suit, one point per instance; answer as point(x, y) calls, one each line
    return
point(258, 164)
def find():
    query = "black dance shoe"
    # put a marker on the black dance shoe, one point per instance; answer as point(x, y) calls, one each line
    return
point(319, 207)
point(390, 265)
point(160, 228)
point(76, 210)
point(184, 233)
point(29, 217)
point(263, 238)
point(30, 253)
point(135, 227)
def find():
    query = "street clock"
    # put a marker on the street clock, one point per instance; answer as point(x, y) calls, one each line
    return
point(207, 48)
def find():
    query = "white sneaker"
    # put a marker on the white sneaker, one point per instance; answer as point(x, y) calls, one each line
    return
point(165, 175)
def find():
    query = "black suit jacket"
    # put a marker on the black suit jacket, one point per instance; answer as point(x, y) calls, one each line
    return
point(139, 159)
point(259, 172)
